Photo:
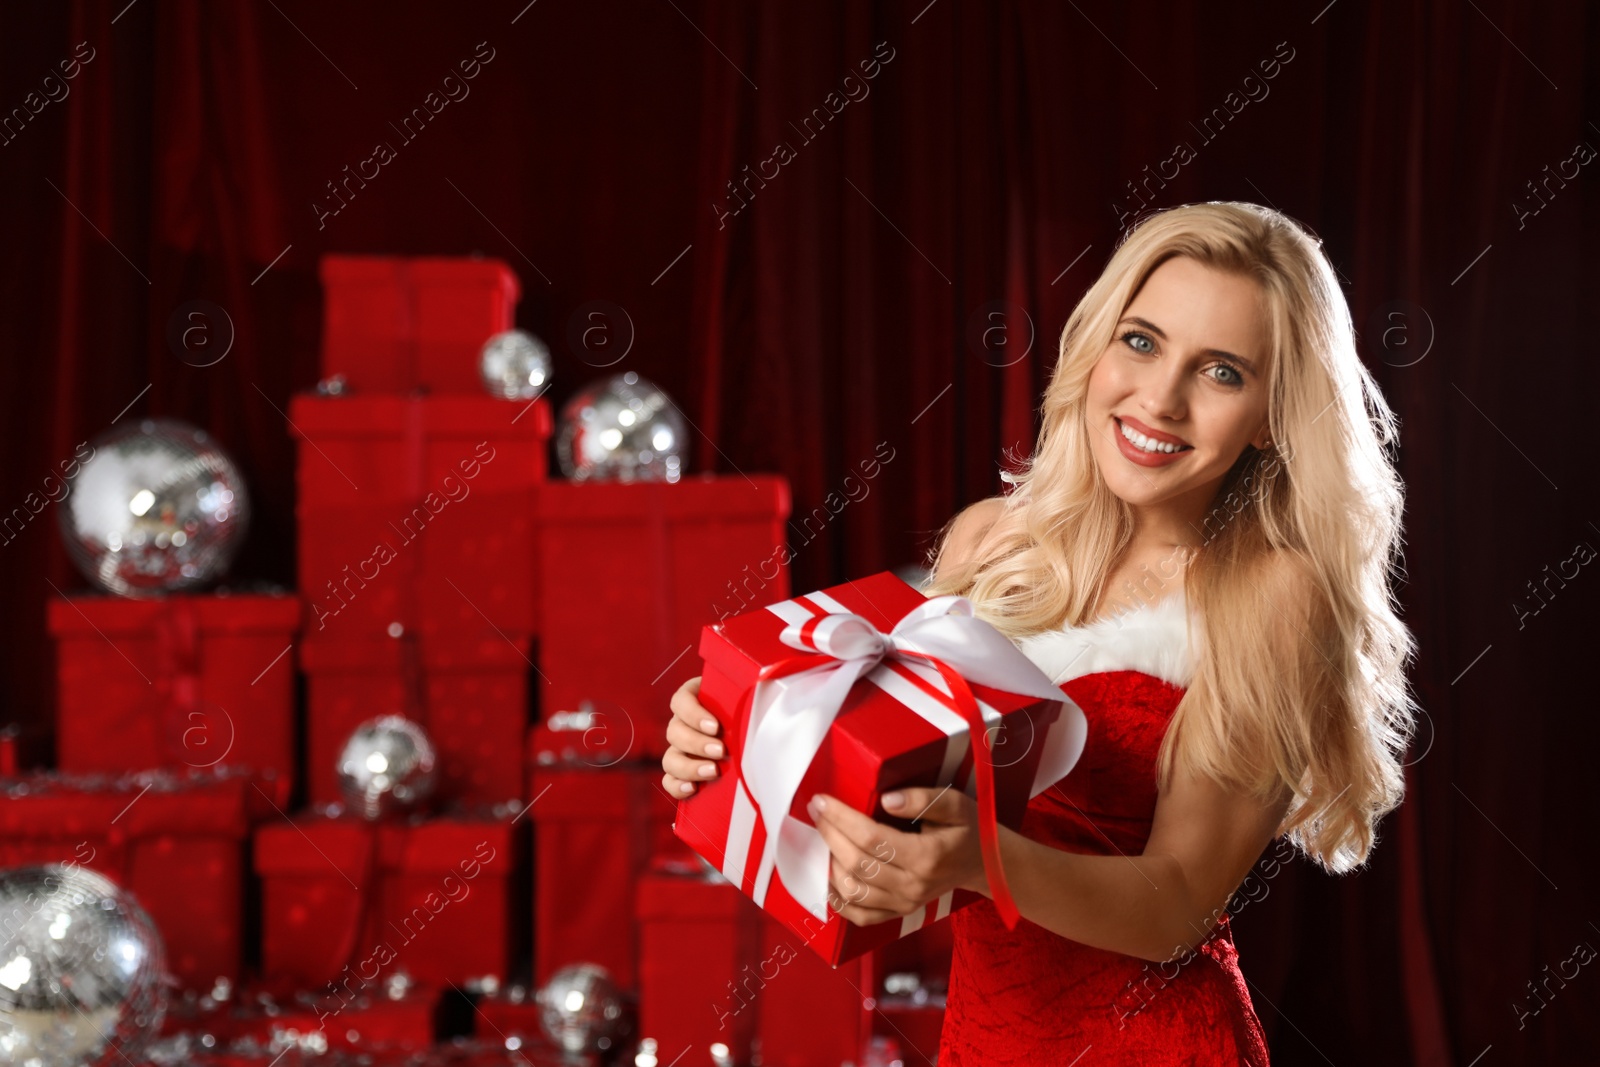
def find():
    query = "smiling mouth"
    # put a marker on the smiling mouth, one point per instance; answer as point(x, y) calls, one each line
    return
point(1149, 444)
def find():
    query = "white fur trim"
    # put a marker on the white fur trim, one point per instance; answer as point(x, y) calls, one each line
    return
point(1151, 638)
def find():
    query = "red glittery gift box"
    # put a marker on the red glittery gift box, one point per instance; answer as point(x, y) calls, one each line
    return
point(175, 841)
point(181, 681)
point(596, 830)
point(630, 572)
point(391, 324)
point(469, 694)
point(417, 514)
point(348, 901)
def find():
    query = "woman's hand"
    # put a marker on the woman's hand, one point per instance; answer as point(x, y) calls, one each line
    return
point(692, 736)
point(880, 873)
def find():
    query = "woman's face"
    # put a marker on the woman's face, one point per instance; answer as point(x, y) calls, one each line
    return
point(1185, 377)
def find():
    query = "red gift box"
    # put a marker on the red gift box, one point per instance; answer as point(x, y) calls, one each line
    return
point(595, 832)
point(643, 566)
point(182, 681)
point(912, 1021)
point(808, 1013)
point(347, 902)
point(582, 738)
point(418, 511)
point(391, 324)
point(470, 696)
point(176, 842)
point(699, 969)
point(273, 1016)
point(900, 724)
point(10, 749)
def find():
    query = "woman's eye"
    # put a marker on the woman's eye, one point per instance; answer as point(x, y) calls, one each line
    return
point(1133, 339)
point(1237, 379)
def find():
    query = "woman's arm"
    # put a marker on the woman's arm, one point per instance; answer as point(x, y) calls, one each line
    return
point(1160, 903)
point(1156, 905)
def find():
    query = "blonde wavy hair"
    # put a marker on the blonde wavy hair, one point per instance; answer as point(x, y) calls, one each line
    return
point(1299, 680)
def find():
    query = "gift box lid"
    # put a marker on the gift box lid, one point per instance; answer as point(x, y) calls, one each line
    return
point(703, 497)
point(50, 805)
point(612, 793)
point(407, 272)
point(311, 844)
point(319, 418)
point(442, 844)
point(676, 897)
point(742, 644)
point(101, 616)
point(736, 650)
point(336, 655)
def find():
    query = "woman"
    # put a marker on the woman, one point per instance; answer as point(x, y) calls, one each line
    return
point(1198, 552)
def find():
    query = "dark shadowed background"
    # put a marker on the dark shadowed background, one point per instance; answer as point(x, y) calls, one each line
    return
point(847, 302)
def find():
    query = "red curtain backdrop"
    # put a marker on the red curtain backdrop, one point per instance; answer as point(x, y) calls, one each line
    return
point(893, 285)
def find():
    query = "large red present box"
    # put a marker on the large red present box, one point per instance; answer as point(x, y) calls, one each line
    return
point(175, 841)
point(807, 1012)
point(596, 830)
point(181, 681)
point(699, 969)
point(429, 897)
point(391, 324)
point(899, 725)
point(642, 566)
point(418, 512)
point(469, 694)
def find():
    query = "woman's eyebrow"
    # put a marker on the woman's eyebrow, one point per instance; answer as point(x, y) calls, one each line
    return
point(1219, 353)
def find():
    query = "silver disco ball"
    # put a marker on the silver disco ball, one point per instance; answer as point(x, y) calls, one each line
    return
point(580, 1008)
point(621, 428)
point(514, 365)
point(157, 507)
point(81, 968)
point(387, 766)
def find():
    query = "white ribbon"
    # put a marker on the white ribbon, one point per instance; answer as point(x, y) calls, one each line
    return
point(790, 716)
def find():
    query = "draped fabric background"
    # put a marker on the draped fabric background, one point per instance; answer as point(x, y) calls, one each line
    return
point(893, 285)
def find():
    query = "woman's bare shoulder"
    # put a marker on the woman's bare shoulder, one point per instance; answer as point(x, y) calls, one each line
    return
point(967, 529)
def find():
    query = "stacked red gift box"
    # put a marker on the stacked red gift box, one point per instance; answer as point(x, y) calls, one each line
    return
point(536, 630)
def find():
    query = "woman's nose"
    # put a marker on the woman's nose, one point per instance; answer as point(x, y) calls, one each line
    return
point(1162, 396)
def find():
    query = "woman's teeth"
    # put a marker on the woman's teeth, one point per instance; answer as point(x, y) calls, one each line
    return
point(1146, 444)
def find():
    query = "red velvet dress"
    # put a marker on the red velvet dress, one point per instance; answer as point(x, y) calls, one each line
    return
point(1029, 996)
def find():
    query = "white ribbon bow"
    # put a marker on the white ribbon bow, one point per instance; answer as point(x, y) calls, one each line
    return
point(789, 717)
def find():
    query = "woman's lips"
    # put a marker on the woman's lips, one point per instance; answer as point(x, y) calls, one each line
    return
point(1134, 454)
point(1156, 435)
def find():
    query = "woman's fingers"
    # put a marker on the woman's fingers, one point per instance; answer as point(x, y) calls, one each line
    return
point(691, 733)
point(940, 807)
point(857, 887)
point(676, 787)
point(687, 708)
point(871, 858)
point(681, 764)
point(693, 742)
point(855, 913)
